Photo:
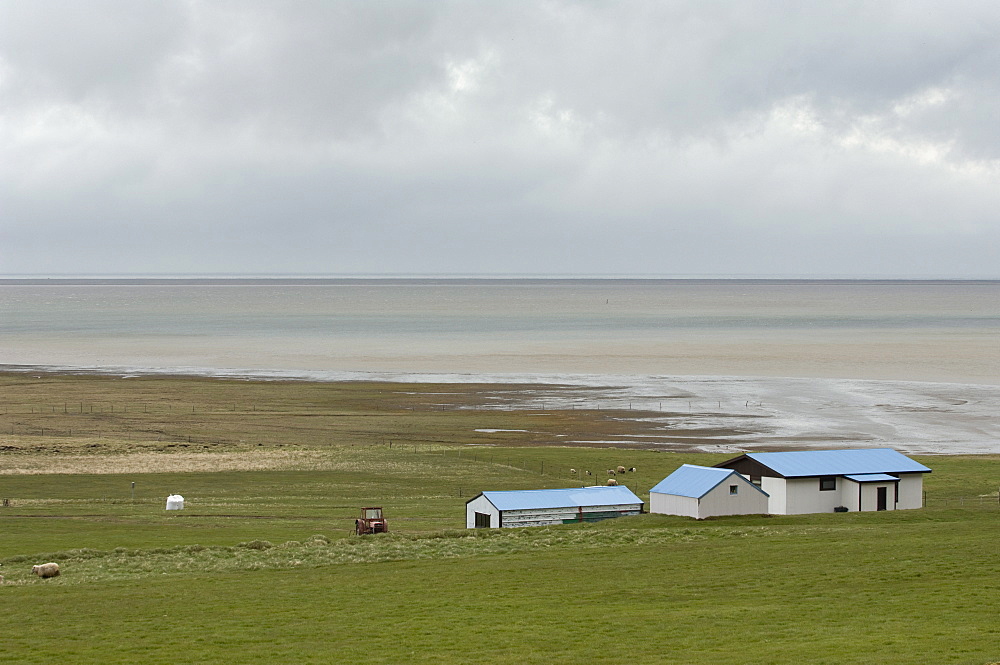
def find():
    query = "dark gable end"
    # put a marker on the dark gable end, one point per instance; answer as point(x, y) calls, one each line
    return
point(749, 467)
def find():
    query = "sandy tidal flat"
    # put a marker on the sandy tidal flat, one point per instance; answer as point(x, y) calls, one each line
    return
point(774, 413)
point(707, 414)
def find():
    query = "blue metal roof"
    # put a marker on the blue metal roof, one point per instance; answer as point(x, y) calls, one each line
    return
point(838, 462)
point(562, 498)
point(696, 481)
point(871, 477)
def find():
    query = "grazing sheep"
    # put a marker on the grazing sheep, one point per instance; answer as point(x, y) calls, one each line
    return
point(46, 570)
point(572, 472)
point(589, 473)
point(612, 481)
point(611, 472)
point(632, 470)
point(621, 469)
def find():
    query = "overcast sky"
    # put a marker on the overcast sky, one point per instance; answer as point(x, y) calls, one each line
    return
point(587, 138)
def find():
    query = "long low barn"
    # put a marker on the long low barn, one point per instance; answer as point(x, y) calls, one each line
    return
point(518, 508)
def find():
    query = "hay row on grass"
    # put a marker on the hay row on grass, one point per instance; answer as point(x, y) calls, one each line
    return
point(91, 566)
point(343, 460)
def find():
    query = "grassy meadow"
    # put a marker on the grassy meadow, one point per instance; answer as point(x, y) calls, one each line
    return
point(262, 565)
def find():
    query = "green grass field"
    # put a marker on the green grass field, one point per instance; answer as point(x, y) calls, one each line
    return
point(261, 566)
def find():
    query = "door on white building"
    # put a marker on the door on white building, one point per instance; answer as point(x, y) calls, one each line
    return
point(881, 498)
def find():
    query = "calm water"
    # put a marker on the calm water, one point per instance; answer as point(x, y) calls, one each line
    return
point(931, 331)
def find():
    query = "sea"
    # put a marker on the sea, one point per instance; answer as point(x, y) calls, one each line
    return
point(913, 363)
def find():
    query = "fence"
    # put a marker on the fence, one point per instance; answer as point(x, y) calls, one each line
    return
point(565, 476)
point(977, 501)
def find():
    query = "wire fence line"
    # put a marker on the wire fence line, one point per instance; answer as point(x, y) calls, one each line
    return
point(976, 501)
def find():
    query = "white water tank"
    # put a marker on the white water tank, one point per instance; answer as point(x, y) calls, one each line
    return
point(175, 502)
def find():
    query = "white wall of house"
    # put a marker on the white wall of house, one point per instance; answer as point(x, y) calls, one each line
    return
point(775, 488)
point(481, 505)
point(852, 496)
point(797, 496)
point(911, 491)
point(869, 496)
point(746, 501)
point(718, 501)
point(672, 504)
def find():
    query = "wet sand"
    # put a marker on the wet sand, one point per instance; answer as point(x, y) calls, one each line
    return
point(709, 413)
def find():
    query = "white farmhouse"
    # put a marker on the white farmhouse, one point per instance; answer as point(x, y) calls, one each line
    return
point(819, 481)
point(546, 507)
point(704, 491)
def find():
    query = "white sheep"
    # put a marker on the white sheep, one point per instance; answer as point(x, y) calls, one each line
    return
point(46, 570)
point(612, 481)
point(621, 469)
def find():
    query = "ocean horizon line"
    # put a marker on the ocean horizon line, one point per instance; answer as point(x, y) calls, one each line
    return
point(321, 278)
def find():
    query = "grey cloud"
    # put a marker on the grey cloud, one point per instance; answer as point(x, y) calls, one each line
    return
point(72, 52)
point(538, 137)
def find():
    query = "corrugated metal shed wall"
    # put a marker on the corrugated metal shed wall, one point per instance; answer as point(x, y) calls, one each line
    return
point(554, 516)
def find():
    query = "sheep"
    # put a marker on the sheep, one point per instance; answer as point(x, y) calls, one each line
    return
point(589, 473)
point(612, 481)
point(632, 470)
point(611, 472)
point(46, 570)
point(621, 469)
point(572, 472)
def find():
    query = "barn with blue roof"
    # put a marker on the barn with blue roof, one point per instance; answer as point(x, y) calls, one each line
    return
point(516, 508)
point(704, 491)
point(818, 481)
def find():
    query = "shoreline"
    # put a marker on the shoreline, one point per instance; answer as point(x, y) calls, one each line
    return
point(255, 280)
point(752, 413)
point(430, 376)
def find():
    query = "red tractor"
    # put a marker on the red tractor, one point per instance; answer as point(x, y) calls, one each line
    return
point(371, 521)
